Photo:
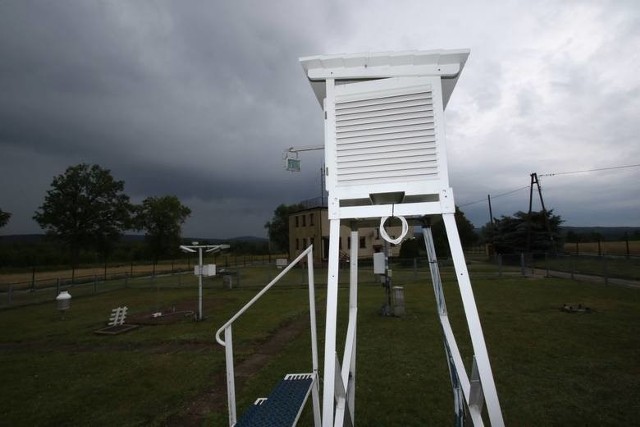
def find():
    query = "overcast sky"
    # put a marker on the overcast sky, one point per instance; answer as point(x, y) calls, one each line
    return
point(200, 98)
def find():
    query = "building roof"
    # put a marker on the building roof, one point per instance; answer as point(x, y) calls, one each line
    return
point(447, 64)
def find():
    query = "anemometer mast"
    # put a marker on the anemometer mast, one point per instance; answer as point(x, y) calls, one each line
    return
point(385, 156)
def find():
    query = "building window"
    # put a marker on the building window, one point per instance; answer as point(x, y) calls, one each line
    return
point(311, 219)
point(297, 222)
point(348, 243)
point(304, 242)
point(297, 244)
point(304, 220)
point(311, 241)
point(363, 243)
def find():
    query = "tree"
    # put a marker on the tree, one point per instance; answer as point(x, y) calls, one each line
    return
point(523, 232)
point(85, 208)
point(278, 227)
point(4, 218)
point(162, 219)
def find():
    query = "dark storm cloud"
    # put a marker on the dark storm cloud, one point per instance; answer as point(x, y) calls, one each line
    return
point(199, 98)
point(195, 101)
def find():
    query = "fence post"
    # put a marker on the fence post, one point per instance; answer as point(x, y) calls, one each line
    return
point(605, 270)
point(573, 266)
point(33, 278)
point(626, 239)
point(499, 265)
point(522, 266)
point(95, 283)
point(546, 263)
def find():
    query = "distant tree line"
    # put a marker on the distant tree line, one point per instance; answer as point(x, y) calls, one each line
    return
point(594, 236)
point(86, 212)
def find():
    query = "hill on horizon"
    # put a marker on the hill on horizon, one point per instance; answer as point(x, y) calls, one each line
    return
point(608, 233)
point(35, 238)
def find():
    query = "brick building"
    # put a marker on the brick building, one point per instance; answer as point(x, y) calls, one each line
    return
point(311, 227)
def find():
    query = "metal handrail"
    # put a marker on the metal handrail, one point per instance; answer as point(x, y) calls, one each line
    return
point(227, 343)
point(262, 292)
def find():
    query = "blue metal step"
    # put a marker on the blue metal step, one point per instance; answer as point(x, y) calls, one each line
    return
point(283, 406)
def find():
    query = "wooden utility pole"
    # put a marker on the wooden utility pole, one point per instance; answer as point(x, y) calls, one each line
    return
point(535, 181)
point(491, 211)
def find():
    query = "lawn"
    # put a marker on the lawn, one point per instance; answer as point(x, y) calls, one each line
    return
point(550, 367)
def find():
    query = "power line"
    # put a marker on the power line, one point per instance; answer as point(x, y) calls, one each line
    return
point(591, 170)
point(496, 196)
point(552, 174)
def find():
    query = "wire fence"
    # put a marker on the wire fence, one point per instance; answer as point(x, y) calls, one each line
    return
point(606, 269)
point(40, 285)
point(255, 271)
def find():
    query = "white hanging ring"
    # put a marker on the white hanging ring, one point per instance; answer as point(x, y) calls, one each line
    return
point(385, 236)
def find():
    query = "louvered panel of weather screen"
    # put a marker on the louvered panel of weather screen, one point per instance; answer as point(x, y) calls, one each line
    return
point(385, 137)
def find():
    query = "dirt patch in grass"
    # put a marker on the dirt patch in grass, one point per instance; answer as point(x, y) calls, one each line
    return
point(215, 399)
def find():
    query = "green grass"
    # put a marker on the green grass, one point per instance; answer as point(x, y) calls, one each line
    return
point(550, 367)
point(618, 267)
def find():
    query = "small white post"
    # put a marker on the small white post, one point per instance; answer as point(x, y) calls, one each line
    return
point(231, 386)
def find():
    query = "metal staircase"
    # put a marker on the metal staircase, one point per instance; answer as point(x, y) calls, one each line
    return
point(283, 406)
point(285, 403)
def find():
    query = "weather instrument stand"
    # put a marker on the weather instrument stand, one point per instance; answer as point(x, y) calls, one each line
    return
point(385, 157)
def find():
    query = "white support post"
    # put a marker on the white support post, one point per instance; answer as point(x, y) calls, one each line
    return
point(476, 398)
point(330, 325)
point(349, 377)
point(473, 322)
point(340, 396)
point(315, 391)
point(231, 387)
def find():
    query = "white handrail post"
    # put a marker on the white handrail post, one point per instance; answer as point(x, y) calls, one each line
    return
point(231, 387)
point(315, 394)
